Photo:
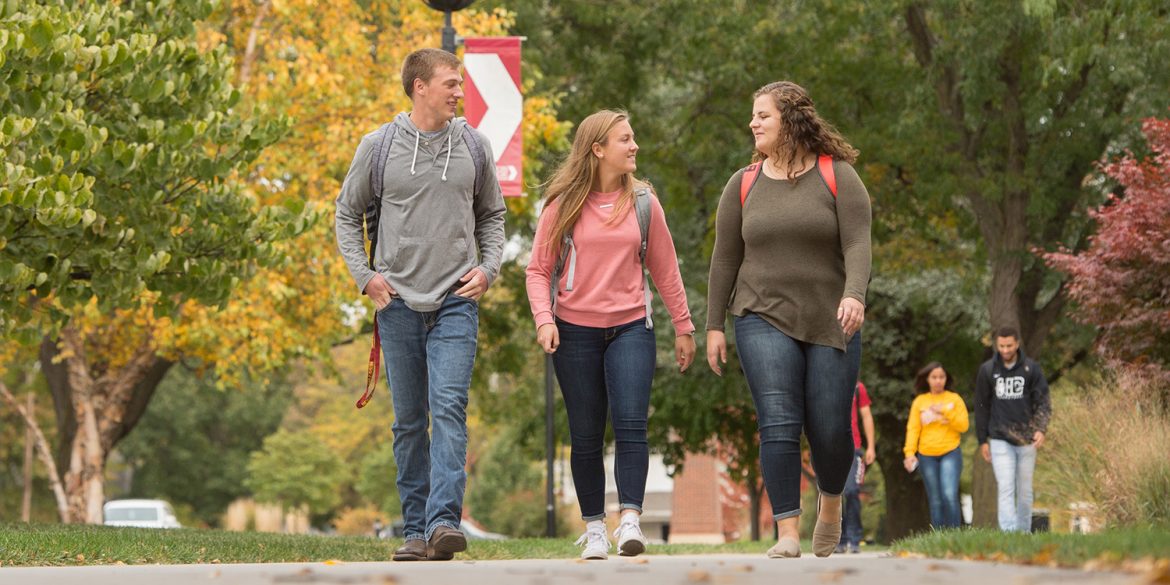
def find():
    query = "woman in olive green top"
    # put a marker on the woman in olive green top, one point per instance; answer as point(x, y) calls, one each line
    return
point(791, 264)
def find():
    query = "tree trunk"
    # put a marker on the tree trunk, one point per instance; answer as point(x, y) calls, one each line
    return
point(102, 405)
point(984, 506)
point(250, 49)
point(43, 450)
point(906, 508)
point(755, 487)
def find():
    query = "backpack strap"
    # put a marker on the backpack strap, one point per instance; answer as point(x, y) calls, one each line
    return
point(642, 210)
point(383, 138)
point(478, 155)
point(569, 255)
point(825, 166)
point(750, 175)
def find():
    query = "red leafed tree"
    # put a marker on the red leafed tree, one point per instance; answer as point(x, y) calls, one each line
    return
point(1121, 283)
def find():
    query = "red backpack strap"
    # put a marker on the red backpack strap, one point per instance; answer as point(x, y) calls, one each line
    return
point(750, 174)
point(825, 165)
point(373, 369)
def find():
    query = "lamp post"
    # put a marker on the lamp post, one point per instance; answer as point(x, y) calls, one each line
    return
point(447, 7)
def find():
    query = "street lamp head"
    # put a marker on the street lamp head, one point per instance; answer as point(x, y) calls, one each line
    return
point(449, 5)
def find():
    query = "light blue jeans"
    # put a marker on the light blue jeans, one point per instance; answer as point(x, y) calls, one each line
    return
point(429, 356)
point(1013, 466)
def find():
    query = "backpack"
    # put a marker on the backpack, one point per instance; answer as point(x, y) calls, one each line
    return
point(569, 253)
point(384, 136)
point(752, 173)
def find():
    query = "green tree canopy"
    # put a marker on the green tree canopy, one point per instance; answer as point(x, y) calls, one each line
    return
point(120, 139)
point(194, 442)
point(294, 470)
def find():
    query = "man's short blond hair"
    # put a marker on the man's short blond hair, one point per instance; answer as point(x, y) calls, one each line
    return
point(422, 64)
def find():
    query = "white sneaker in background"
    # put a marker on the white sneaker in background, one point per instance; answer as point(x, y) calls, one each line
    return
point(631, 542)
point(596, 542)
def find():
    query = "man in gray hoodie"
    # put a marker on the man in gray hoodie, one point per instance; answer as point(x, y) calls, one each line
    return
point(440, 235)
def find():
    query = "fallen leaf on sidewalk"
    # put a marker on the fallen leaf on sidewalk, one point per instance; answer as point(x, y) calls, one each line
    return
point(834, 576)
point(639, 561)
point(939, 567)
point(699, 576)
point(1160, 574)
point(333, 562)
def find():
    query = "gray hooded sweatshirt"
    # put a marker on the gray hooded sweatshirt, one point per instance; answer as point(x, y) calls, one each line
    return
point(432, 222)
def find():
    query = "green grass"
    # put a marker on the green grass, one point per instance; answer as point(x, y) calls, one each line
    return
point(69, 545)
point(1112, 548)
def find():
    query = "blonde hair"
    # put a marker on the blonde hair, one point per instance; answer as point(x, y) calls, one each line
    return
point(573, 179)
point(801, 128)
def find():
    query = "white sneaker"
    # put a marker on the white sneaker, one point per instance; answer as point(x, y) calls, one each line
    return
point(596, 543)
point(631, 542)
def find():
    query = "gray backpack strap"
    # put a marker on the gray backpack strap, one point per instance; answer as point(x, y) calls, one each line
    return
point(478, 155)
point(568, 253)
point(642, 210)
point(383, 138)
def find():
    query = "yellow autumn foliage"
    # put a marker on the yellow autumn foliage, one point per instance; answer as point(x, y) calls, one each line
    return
point(334, 68)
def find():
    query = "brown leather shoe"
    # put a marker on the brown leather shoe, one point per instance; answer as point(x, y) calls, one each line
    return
point(445, 542)
point(415, 549)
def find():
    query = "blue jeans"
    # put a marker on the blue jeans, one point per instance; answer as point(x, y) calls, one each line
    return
point(851, 528)
point(1013, 467)
point(607, 371)
point(429, 356)
point(799, 386)
point(941, 476)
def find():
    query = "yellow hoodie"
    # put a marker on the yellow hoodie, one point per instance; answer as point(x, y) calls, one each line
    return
point(940, 436)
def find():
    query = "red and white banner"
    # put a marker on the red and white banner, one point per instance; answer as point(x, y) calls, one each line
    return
point(493, 104)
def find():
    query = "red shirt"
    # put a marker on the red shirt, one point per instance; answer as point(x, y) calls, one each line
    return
point(860, 400)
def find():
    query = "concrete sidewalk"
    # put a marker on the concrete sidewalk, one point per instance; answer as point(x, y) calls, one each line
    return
point(863, 569)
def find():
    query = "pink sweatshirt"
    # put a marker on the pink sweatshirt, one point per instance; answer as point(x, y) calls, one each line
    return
point(607, 286)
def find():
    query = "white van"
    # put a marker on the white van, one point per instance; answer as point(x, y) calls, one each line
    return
point(140, 513)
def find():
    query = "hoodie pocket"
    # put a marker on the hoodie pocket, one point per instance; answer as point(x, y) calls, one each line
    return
point(422, 256)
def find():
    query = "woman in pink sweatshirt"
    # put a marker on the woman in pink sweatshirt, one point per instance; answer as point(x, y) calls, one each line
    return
point(595, 322)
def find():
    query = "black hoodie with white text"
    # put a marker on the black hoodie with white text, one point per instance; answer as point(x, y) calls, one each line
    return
point(1011, 404)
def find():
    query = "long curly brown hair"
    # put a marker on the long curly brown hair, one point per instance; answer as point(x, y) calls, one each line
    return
point(801, 128)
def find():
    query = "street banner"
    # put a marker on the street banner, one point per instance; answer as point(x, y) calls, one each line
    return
point(493, 103)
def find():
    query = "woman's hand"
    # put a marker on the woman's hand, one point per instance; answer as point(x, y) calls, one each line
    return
point(910, 463)
point(851, 314)
point(716, 351)
point(548, 337)
point(684, 350)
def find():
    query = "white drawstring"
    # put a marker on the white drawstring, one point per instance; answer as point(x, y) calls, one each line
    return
point(445, 164)
point(415, 158)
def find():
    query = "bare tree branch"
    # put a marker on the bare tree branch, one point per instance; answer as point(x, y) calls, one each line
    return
point(43, 451)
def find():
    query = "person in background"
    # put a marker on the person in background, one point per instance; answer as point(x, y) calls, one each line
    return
point(851, 528)
point(1012, 411)
point(938, 418)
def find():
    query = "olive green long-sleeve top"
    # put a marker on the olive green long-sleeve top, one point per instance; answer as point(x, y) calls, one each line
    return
point(791, 253)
